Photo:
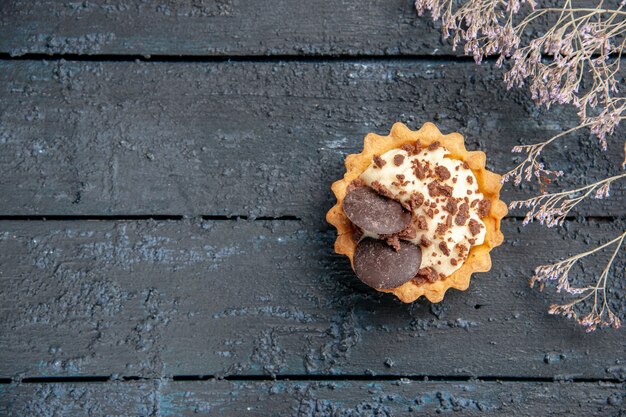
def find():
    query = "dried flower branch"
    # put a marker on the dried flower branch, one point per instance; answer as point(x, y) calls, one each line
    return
point(551, 209)
point(576, 61)
point(601, 313)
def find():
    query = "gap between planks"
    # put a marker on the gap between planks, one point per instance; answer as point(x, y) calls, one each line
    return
point(311, 378)
point(321, 58)
point(234, 217)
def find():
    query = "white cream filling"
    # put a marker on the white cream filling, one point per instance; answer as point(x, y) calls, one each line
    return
point(462, 188)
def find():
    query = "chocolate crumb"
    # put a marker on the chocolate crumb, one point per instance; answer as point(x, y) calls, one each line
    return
point(442, 172)
point(356, 183)
point(461, 248)
point(422, 224)
point(381, 189)
point(454, 180)
point(410, 149)
point(424, 241)
point(393, 241)
point(474, 227)
point(469, 192)
point(433, 146)
point(430, 213)
point(418, 169)
point(463, 214)
point(426, 275)
point(441, 228)
point(379, 162)
point(465, 165)
point(409, 233)
point(470, 180)
point(471, 241)
point(401, 182)
point(416, 200)
point(398, 160)
point(451, 206)
point(454, 262)
point(483, 208)
point(443, 246)
point(436, 189)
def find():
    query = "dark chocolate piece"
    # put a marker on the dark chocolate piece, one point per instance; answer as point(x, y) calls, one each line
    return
point(380, 266)
point(374, 213)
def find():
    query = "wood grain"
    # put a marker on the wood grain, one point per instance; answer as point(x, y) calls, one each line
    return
point(217, 28)
point(225, 28)
point(250, 138)
point(164, 298)
point(309, 399)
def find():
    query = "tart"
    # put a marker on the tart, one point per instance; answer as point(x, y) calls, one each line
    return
point(417, 213)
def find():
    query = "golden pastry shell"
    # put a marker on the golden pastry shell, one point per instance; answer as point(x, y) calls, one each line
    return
point(489, 183)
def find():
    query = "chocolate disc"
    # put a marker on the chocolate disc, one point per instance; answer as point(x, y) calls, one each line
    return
point(378, 265)
point(374, 213)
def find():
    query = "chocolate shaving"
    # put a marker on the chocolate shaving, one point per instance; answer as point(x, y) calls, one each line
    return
point(483, 208)
point(424, 241)
point(436, 189)
point(474, 227)
point(356, 183)
point(416, 200)
point(442, 172)
point(426, 275)
point(461, 248)
point(430, 213)
point(410, 149)
point(451, 206)
point(418, 169)
point(408, 234)
point(433, 146)
point(379, 162)
point(441, 228)
point(422, 223)
point(381, 189)
point(443, 246)
point(401, 182)
point(398, 159)
point(463, 214)
point(394, 242)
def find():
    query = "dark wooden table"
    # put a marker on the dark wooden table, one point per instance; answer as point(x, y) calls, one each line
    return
point(165, 170)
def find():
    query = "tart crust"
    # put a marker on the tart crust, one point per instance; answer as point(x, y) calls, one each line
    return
point(489, 183)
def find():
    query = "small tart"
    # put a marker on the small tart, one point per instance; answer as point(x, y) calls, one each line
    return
point(488, 183)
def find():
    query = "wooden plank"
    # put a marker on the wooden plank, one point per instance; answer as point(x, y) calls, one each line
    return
point(76, 399)
point(166, 298)
point(256, 139)
point(323, 398)
point(226, 27)
point(223, 28)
